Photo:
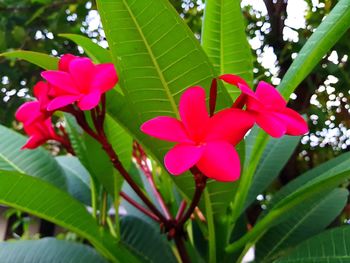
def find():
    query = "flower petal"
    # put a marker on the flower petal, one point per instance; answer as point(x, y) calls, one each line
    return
point(233, 79)
point(82, 71)
point(61, 101)
point(62, 82)
point(28, 111)
point(220, 161)
point(296, 125)
point(271, 123)
point(269, 96)
point(229, 125)
point(239, 83)
point(105, 77)
point(166, 128)
point(89, 101)
point(182, 157)
point(40, 89)
point(193, 112)
point(32, 143)
point(63, 63)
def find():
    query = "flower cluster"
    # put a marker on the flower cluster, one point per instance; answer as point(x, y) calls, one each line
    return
point(76, 82)
point(205, 141)
point(208, 142)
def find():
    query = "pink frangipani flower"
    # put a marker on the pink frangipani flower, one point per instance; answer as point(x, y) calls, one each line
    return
point(36, 124)
point(39, 132)
point(207, 142)
point(79, 80)
point(32, 111)
point(269, 108)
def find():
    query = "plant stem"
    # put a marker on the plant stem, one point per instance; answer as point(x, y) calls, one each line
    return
point(181, 210)
point(139, 207)
point(141, 159)
point(118, 165)
point(201, 181)
point(180, 245)
point(102, 139)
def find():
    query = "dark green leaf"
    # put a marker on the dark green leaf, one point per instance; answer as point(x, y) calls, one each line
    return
point(49, 250)
point(309, 219)
point(78, 179)
point(334, 166)
point(330, 246)
point(38, 162)
point(280, 211)
point(274, 158)
point(41, 199)
point(145, 240)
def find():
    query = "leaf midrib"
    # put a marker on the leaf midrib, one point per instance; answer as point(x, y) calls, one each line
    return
point(11, 163)
point(155, 63)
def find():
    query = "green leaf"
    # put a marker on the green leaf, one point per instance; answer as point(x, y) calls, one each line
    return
point(75, 134)
point(274, 158)
point(47, 250)
point(333, 166)
point(330, 246)
point(321, 41)
point(41, 199)
point(97, 53)
point(39, 59)
point(146, 241)
point(38, 162)
point(120, 140)
point(309, 219)
point(250, 164)
point(280, 211)
point(156, 62)
point(225, 41)
point(99, 165)
point(78, 178)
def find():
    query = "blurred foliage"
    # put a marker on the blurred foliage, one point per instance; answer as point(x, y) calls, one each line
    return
point(322, 97)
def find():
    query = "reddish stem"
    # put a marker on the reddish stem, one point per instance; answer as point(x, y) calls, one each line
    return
point(118, 165)
point(141, 159)
point(201, 181)
point(181, 210)
point(139, 207)
point(102, 139)
point(65, 143)
point(179, 242)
